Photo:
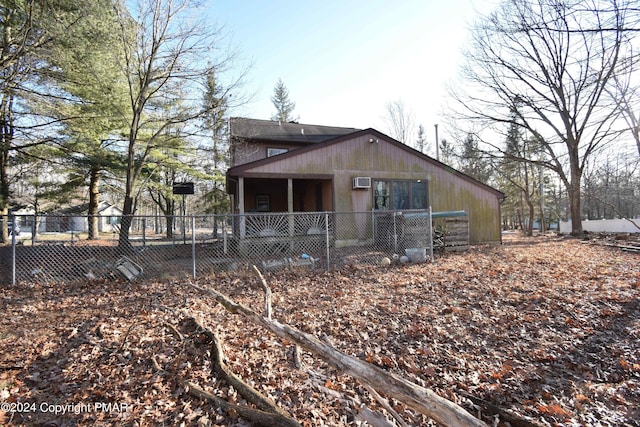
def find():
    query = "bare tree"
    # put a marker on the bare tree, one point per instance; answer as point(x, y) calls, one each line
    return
point(626, 95)
point(169, 52)
point(400, 121)
point(610, 187)
point(550, 62)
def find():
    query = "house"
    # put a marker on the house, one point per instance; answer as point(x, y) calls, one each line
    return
point(75, 219)
point(293, 167)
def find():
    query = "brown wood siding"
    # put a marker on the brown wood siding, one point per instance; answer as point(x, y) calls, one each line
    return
point(448, 189)
point(250, 151)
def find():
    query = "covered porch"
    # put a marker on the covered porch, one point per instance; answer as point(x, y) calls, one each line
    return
point(265, 208)
point(281, 194)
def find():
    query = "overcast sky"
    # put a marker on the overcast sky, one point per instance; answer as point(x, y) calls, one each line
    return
point(342, 60)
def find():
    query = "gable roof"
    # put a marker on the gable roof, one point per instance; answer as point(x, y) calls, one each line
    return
point(243, 169)
point(268, 130)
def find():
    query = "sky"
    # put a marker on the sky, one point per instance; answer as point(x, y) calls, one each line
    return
point(343, 61)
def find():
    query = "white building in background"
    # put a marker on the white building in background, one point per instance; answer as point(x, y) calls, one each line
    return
point(605, 226)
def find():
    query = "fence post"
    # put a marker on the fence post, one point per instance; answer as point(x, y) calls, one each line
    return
point(430, 239)
point(395, 233)
point(224, 235)
point(326, 235)
point(193, 246)
point(34, 230)
point(13, 252)
point(144, 232)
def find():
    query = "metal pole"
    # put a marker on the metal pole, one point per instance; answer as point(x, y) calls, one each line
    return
point(224, 235)
point(395, 234)
point(193, 246)
point(13, 251)
point(174, 229)
point(144, 232)
point(430, 235)
point(326, 227)
point(437, 144)
point(184, 226)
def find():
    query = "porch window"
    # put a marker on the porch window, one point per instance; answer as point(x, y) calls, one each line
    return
point(400, 194)
point(263, 203)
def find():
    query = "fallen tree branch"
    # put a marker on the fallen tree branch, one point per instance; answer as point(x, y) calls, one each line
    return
point(126, 335)
point(174, 331)
point(372, 418)
point(267, 293)
point(224, 373)
point(256, 416)
point(297, 356)
point(156, 365)
point(505, 415)
point(386, 406)
point(419, 398)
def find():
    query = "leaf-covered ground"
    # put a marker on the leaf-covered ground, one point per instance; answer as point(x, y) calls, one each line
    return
point(546, 328)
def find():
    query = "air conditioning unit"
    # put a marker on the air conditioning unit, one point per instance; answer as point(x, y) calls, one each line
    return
point(360, 182)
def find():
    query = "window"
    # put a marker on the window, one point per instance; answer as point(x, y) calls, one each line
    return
point(275, 151)
point(419, 195)
point(381, 195)
point(263, 204)
point(400, 194)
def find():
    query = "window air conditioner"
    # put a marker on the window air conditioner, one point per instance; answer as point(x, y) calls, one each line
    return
point(361, 182)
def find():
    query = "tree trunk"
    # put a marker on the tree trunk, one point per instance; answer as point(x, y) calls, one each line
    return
point(125, 226)
point(6, 139)
point(94, 200)
point(170, 217)
point(4, 231)
point(529, 230)
point(575, 203)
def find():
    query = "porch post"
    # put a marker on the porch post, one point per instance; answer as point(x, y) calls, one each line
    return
point(243, 222)
point(290, 195)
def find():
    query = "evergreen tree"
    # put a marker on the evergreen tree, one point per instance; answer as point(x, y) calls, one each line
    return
point(473, 161)
point(520, 180)
point(284, 106)
point(92, 114)
point(447, 152)
point(216, 99)
point(421, 142)
point(30, 30)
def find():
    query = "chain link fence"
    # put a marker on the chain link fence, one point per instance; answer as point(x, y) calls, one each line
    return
point(60, 248)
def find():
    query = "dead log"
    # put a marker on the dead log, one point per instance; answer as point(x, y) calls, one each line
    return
point(419, 398)
point(249, 393)
point(256, 416)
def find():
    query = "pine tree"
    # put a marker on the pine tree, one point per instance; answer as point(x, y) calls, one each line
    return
point(91, 114)
point(421, 142)
point(284, 106)
point(216, 99)
point(473, 161)
point(447, 152)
